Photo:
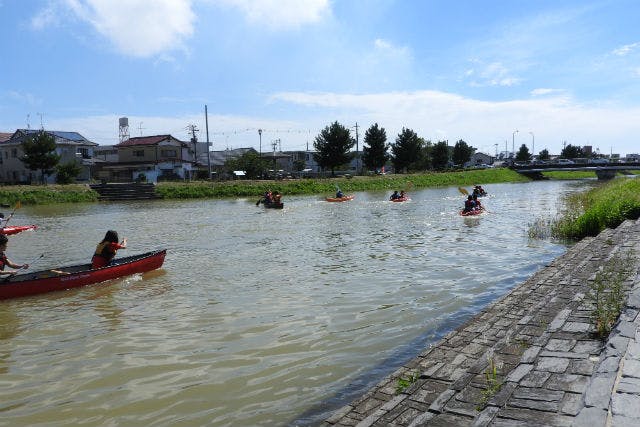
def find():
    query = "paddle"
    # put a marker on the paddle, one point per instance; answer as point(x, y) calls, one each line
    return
point(463, 191)
point(18, 206)
point(258, 202)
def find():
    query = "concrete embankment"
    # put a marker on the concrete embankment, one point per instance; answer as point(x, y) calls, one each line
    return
point(551, 367)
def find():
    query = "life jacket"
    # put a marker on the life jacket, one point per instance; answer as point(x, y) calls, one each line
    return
point(105, 251)
point(469, 205)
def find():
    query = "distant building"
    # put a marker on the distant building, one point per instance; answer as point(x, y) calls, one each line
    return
point(479, 158)
point(70, 146)
point(154, 158)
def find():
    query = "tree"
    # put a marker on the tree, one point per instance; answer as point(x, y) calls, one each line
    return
point(332, 146)
point(250, 162)
point(462, 152)
point(523, 154)
point(543, 155)
point(440, 156)
point(375, 149)
point(67, 173)
point(571, 152)
point(407, 152)
point(40, 153)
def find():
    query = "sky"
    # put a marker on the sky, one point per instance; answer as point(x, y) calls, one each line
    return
point(496, 74)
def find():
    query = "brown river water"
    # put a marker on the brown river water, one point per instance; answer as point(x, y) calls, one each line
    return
point(258, 317)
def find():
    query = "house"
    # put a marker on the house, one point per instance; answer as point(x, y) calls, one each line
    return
point(70, 146)
point(479, 158)
point(150, 158)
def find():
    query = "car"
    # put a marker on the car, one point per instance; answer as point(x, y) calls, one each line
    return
point(599, 161)
point(564, 162)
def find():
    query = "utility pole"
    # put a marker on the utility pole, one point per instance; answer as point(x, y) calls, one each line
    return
point(194, 139)
point(206, 121)
point(274, 144)
point(357, 154)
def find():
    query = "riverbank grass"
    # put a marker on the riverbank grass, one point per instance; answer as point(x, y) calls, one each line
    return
point(606, 206)
point(42, 195)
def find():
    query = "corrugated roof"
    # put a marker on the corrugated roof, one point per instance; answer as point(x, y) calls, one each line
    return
point(147, 140)
point(74, 137)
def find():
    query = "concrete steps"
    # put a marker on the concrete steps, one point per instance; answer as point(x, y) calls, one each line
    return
point(125, 191)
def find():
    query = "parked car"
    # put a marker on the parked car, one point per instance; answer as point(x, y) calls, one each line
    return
point(599, 161)
point(564, 162)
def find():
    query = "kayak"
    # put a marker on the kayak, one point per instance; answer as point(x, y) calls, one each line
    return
point(471, 213)
point(15, 229)
point(75, 276)
point(401, 199)
point(273, 205)
point(340, 199)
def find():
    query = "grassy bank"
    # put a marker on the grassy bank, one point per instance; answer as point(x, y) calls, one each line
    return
point(36, 195)
point(327, 186)
point(606, 206)
point(41, 195)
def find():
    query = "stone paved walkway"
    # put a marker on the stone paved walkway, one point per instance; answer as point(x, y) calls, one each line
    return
point(552, 369)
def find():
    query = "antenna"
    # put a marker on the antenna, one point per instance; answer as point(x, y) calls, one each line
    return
point(28, 124)
point(140, 128)
point(41, 125)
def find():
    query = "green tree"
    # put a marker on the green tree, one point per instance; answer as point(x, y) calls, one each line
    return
point(67, 173)
point(440, 156)
point(375, 149)
point(462, 152)
point(571, 152)
point(332, 146)
point(407, 152)
point(523, 154)
point(250, 162)
point(40, 153)
point(543, 155)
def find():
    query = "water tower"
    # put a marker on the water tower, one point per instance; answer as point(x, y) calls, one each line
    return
point(124, 129)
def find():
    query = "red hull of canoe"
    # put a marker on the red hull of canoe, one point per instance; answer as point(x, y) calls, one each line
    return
point(340, 199)
point(44, 281)
point(471, 213)
point(15, 229)
point(401, 199)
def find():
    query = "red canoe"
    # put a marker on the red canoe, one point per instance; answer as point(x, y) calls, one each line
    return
point(15, 229)
point(74, 276)
point(401, 199)
point(471, 213)
point(340, 199)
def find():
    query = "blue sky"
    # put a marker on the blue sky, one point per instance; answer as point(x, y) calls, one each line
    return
point(556, 71)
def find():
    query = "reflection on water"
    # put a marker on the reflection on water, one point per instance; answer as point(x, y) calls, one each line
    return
point(258, 317)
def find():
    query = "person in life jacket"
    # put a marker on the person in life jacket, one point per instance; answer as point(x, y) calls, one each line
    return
point(106, 249)
point(469, 204)
point(6, 262)
point(476, 201)
point(394, 196)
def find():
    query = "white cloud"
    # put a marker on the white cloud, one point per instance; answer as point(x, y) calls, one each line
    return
point(277, 14)
point(387, 48)
point(545, 91)
point(626, 49)
point(135, 27)
point(24, 98)
point(44, 18)
point(435, 115)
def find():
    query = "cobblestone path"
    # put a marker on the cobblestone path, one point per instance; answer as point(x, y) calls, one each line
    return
point(551, 367)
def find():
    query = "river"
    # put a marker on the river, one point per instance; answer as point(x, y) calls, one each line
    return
point(258, 317)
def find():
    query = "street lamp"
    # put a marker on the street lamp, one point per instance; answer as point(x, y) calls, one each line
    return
point(533, 145)
point(513, 142)
point(260, 134)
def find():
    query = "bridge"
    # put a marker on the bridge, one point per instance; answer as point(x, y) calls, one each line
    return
point(603, 171)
